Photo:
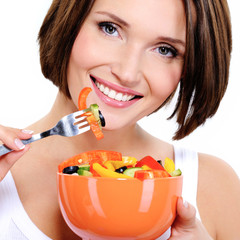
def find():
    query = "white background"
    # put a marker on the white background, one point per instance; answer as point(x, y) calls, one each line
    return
point(25, 96)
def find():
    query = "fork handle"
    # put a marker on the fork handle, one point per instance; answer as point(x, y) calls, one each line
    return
point(4, 149)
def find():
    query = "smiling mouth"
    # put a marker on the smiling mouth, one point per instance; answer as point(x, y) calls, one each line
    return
point(111, 93)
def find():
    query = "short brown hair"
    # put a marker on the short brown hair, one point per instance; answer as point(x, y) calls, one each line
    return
point(57, 35)
point(206, 65)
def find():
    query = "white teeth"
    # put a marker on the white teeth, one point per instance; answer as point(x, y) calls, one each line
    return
point(106, 91)
point(101, 88)
point(124, 98)
point(119, 96)
point(113, 94)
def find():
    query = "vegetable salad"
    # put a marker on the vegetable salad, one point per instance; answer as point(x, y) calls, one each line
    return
point(101, 163)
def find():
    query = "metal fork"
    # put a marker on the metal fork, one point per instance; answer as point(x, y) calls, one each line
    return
point(70, 125)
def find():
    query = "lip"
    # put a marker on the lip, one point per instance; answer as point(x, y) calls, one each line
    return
point(112, 102)
point(116, 87)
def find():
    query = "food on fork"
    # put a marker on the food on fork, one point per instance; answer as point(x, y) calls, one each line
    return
point(102, 163)
point(94, 116)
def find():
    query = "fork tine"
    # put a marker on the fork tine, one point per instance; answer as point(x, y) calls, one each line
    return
point(81, 124)
point(84, 129)
point(79, 113)
point(79, 119)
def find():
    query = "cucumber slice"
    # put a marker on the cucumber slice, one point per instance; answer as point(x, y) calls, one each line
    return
point(94, 109)
point(176, 173)
point(131, 171)
point(84, 167)
point(84, 173)
point(98, 115)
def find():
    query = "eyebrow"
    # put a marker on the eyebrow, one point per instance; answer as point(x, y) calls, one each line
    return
point(114, 17)
point(161, 38)
point(172, 40)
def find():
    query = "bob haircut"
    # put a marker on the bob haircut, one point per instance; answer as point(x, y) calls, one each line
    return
point(206, 65)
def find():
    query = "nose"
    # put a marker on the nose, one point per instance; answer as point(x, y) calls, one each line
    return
point(127, 66)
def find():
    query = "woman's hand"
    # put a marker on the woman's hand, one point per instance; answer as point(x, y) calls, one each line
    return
point(11, 137)
point(186, 226)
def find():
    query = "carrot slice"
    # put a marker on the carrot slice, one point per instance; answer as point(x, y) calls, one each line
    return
point(82, 103)
point(94, 125)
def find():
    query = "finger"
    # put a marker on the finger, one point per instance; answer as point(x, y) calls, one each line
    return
point(186, 214)
point(7, 161)
point(24, 133)
point(11, 137)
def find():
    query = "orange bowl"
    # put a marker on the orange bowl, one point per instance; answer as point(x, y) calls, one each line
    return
point(109, 208)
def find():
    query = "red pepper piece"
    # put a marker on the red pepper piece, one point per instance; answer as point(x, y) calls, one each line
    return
point(102, 154)
point(82, 98)
point(150, 162)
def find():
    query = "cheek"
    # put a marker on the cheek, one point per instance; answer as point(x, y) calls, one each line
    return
point(82, 60)
point(165, 82)
point(84, 51)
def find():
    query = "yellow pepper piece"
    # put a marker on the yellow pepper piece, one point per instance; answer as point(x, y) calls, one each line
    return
point(108, 165)
point(117, 164)
point(145, 167)
point(129, 160)
point(169, 165)
point(103, 172)
point(126, 161)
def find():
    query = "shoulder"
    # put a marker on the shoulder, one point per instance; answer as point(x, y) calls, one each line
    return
point(219, 172)
point(219, 196)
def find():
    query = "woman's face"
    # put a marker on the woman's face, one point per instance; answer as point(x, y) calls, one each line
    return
point(130, 52)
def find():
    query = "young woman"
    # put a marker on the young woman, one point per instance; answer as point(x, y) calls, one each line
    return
point(133, 54)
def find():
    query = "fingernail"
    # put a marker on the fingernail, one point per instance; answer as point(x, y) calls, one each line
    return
point(27, 131)
point(185, 203)
point(19, 144)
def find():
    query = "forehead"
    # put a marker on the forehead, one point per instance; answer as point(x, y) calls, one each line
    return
point(154, 16)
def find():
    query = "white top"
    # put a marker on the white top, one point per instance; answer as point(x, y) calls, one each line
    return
point(15, 224)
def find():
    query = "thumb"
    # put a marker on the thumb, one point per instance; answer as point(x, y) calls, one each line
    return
point(186, 214)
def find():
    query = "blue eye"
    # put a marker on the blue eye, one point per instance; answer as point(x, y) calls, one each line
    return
point(167, 51)
point(108, 28)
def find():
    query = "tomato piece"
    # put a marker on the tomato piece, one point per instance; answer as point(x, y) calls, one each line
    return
point(82, 98)
point(160, 174)
point(150, 162)
point(149, 174)
point(144, 174)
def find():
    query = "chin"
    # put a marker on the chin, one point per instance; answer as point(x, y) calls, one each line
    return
point(115, 122)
